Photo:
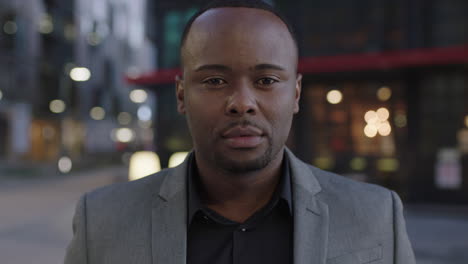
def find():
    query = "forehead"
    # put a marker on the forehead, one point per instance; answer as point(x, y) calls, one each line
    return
point(238, 34)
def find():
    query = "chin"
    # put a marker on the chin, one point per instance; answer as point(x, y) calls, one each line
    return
point(244, 163)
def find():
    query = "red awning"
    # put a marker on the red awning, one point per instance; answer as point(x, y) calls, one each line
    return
point(346, 63)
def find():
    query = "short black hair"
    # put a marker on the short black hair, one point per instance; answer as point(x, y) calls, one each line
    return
point(257, 4)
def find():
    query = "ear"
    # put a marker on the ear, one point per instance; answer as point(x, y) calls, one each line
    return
point(298, 92)
point(180, 95)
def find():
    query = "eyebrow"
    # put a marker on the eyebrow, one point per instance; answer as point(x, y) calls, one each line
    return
point(220, 67)
point(216, 67)
point(268, 66)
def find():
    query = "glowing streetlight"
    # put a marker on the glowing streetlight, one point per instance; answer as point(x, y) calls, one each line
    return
point(57, 106)
point(334, 97)
point(80, 74)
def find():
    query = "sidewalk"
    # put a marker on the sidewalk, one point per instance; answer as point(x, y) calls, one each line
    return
point(37, 213)
point(439, 233)
point(20, 173)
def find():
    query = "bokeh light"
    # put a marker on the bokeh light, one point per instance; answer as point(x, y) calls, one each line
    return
point(57, 106)
point(142, 164)
point(388, 164)
point(138, 96)
point(65, 164)
point(400, 120)
point(97, 113)
point(324, 162)
point(383, 114)
point(384, 93)
point(377, 123)
point(46, 24)
point(124, 135)
point(80, 74)
point(371, 117)
point(370, 130)
point(124, 118)
point(177, 158)
point(358, 164)
point(144, 113)
point(10, 27)
point(334, 97)
point(385, 129)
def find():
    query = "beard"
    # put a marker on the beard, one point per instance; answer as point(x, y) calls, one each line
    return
point(234, 166)
point(237, 163)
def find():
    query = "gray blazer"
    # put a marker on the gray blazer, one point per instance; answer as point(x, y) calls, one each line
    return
point(336, 220)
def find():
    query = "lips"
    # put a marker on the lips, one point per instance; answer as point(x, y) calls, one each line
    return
point(243, 137)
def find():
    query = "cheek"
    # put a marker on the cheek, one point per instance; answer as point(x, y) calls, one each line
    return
point(281, 105)
point(280, 113)
point(201, 114)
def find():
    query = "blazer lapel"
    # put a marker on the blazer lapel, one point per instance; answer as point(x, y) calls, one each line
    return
point(310, 215)
point(169, 218)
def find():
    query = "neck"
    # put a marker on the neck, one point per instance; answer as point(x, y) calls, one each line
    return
point(237, 196)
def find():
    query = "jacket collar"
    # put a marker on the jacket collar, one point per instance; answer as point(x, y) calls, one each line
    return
point(169, 216)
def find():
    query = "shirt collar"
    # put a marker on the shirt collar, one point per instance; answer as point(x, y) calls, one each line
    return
point(195, 204)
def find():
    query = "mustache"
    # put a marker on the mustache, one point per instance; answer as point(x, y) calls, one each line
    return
point(242, 123)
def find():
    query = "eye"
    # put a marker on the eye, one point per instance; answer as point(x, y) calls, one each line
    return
point(215, 81)
point(267, 81)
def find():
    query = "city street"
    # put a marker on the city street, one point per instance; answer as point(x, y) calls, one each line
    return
point(35, 215)
point(35, 222)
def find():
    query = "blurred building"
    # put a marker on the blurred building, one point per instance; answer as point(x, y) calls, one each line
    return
point(62, 90)
point(408, 57)
point(384, 96)
point(19, 54)
point(112, 40)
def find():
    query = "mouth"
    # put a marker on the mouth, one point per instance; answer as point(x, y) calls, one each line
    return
point(243, 137)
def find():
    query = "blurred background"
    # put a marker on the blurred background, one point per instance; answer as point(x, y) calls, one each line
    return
point(87, 95)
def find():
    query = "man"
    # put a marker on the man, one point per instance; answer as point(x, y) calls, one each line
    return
point(241, 196)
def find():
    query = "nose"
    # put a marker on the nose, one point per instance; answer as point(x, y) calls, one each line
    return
point(242, 101)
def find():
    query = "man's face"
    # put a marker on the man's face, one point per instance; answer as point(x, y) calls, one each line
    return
point(240, 88)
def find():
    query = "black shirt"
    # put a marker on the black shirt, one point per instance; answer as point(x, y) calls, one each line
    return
point(265, 237)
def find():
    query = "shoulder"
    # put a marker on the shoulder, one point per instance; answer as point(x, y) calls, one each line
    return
point(335, 186)
point(127, 192)
point(366, 207)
